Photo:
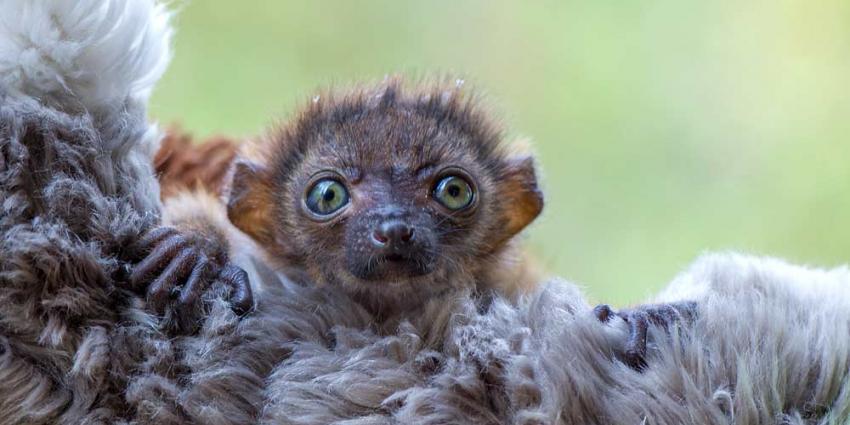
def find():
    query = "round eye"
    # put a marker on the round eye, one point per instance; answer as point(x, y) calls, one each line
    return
point(453, 192)
point(327, 196)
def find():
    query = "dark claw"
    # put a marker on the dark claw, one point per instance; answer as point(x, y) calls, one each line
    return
point(241, 299)
point(639, 319)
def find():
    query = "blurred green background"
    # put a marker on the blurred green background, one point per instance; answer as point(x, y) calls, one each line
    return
point(665, 128)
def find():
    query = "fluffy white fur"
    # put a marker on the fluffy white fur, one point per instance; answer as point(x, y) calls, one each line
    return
point(88, 54)
point(771, 344)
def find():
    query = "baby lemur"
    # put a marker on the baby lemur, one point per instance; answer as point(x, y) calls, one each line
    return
point(396, 195)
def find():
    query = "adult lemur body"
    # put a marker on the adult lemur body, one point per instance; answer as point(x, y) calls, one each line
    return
point(77, 347)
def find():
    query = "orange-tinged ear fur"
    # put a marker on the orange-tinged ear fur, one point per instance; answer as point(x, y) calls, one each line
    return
point(250, 201)
point(521, 195)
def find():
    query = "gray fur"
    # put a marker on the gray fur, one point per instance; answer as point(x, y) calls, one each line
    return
point(771, 344)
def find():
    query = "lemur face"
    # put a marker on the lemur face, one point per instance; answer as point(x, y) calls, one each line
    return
point(392, 200)
point(384, 192)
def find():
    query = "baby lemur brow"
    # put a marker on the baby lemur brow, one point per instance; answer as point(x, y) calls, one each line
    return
point(425, 113)
point(402, 171)
point(425, 171)
point(353, 174)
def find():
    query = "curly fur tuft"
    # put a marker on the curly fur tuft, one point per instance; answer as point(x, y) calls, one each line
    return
point(76, 191)
point(770, 345)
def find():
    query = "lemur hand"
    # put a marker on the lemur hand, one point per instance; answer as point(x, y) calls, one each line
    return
point(179, 268)
point(639, 319)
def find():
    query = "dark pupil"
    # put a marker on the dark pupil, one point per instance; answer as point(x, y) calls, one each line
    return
point(329, 195)
point(454, 191)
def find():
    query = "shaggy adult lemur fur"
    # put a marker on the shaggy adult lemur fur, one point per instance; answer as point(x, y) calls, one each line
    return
point(769, 345)
point(393, 193)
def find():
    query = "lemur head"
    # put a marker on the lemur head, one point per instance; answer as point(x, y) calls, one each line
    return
point(386, 190)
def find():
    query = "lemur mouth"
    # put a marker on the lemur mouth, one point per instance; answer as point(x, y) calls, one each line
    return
point(396, 258)
point(392, 266)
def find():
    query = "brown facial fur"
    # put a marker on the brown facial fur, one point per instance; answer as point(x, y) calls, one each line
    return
point(388, 145)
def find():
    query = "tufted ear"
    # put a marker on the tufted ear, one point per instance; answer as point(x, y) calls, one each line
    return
point(522, 199)
point(250, 201)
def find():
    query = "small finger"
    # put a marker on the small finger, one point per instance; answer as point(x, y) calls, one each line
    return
point(161, 289)
point(156, 236)
point(241, 297)
point(159, 258)
point(635, 352)
point(603, 312)
point(687, 310)
point(663, 316)
point(190, 296)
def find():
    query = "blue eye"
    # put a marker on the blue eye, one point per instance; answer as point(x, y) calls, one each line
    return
point(453, 192)
point(327, 196)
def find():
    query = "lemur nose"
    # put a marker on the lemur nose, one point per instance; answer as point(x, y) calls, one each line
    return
point(392, 234)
